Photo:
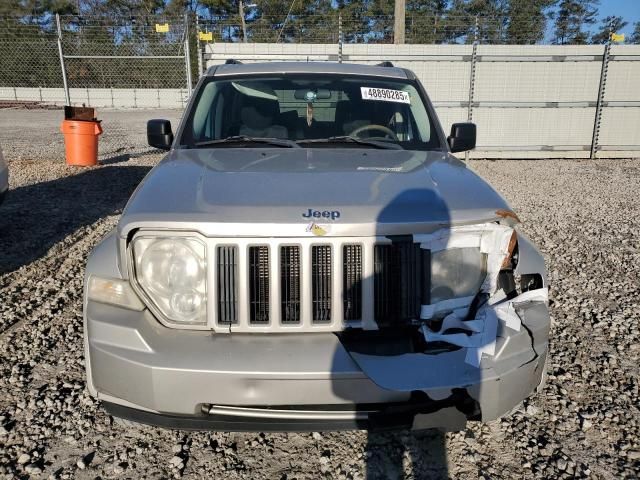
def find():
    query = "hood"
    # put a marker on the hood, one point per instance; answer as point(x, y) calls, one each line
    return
point(283, 192)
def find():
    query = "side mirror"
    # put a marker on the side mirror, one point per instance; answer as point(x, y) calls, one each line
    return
point(463, 137)
point(159, 134)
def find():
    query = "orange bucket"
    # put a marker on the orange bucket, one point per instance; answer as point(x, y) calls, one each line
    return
point(81, 142)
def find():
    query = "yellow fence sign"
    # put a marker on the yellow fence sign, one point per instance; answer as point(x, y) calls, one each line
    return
point(206, 36)
point(162, 27)
point(617, 37)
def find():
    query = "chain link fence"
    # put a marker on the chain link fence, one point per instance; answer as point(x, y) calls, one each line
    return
point(137, 62)
point(532, 97)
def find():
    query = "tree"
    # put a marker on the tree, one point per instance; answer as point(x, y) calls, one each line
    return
point(571, 17)
point(426, 21)
point(635, 36)
point(491, 15)
point(527, 20)
point(609, 25)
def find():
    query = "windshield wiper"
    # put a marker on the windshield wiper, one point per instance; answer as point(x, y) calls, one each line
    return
point(349, 139)
point(278, 142)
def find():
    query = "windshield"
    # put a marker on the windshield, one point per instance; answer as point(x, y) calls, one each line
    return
point(311, 112)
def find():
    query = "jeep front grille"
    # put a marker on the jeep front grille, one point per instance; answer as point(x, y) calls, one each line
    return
point(316, 284)
point(259, 284)
point(227, 285)
point(398, 282)
point(290, 284)
point(352, 282)
point(321, 282)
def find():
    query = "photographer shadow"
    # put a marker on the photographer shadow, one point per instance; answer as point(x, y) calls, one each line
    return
point(394, 453)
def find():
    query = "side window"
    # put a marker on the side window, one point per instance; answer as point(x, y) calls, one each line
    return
point(203, 127)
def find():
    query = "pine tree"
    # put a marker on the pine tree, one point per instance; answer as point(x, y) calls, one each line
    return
point(635, 36)
point(609, 25)
point(527, 20)
point(571, 17)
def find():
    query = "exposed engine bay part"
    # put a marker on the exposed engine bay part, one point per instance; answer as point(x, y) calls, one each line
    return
point(478, 336)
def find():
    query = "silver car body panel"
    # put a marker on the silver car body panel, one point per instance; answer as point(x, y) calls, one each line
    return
point(264, 192)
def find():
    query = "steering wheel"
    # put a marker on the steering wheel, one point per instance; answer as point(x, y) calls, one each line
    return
point(386, 130)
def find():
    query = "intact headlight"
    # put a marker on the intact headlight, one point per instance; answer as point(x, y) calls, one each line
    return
point(457, 273)
point(172, 272)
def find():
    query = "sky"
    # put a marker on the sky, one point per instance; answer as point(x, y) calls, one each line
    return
point(627, 9)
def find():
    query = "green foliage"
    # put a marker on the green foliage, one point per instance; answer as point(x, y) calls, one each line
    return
point(571, 18)
point(634, 38)
point(527, 20)
point(609, 25)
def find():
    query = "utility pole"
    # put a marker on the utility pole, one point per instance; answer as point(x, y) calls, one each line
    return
point(244, 25)
point(398, 22)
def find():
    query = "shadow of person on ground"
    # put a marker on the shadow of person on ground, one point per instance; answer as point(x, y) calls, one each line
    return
point(35, 217)
point(392, 454)
point(389, 452)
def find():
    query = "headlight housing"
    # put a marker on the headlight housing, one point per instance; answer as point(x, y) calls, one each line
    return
point(457, 273)
point(172, 274)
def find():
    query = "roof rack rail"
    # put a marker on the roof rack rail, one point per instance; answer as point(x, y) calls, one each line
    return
point(386, 63)
point(233, 61)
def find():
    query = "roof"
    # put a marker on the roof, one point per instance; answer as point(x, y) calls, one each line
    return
point(266, 68)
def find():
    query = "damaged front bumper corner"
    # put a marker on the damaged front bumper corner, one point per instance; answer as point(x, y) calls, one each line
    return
point(500, 360)
point(195, 380)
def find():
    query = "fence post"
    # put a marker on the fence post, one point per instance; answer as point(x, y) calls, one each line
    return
point(64, 71)
point(187, 55)
point(601, 88)
point(340, 38)
point(472, 78)
point(199, 49)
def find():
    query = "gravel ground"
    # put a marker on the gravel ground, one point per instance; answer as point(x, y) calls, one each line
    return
point(586, 423)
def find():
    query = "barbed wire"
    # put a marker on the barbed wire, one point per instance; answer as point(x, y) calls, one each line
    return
point(148, 50)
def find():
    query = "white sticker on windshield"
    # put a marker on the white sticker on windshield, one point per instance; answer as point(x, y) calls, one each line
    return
point(385, 95)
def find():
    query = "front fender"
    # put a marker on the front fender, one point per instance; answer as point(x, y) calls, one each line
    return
point(530, 260)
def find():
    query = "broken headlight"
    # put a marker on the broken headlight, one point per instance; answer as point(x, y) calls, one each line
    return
point(457, 273)
point(171, 271)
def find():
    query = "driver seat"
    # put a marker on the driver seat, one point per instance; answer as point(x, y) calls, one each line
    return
point(351, 114)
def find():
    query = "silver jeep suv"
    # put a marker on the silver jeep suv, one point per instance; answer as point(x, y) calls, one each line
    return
point(310, 256)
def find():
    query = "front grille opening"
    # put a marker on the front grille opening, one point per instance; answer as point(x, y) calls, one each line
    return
point(400, 279)
point(352, 282)
point(259, 284)
point(227, 285)
point(290, 284)
point(321, 283)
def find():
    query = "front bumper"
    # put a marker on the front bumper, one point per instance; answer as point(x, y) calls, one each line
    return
point(189, 379)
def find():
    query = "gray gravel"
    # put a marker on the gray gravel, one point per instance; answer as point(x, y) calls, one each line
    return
point(586, 423)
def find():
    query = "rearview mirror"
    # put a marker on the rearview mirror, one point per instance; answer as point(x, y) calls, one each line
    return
point(159, 134)
point(312, 94)
point(463, 137)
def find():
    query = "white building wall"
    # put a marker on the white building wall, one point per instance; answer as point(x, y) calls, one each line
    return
point(529, 101)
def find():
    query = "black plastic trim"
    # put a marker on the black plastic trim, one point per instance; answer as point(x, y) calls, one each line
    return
point(392, 416)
